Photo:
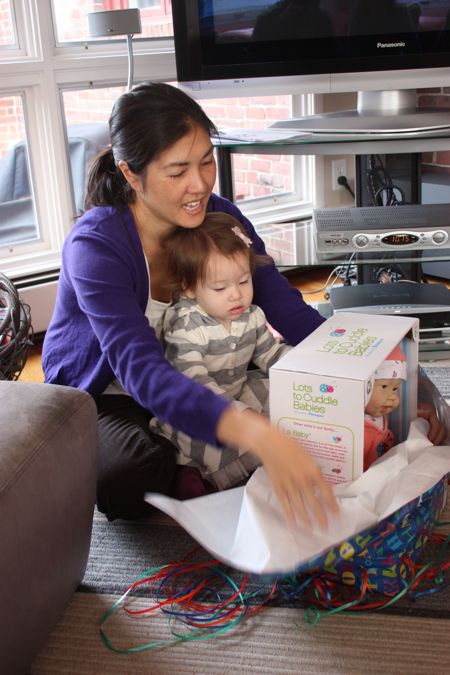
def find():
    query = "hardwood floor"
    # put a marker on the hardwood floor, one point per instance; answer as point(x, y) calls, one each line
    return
point(310, 281)
point(32, 371)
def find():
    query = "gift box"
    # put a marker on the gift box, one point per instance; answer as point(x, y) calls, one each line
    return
point(381, 559)
point(319, 390)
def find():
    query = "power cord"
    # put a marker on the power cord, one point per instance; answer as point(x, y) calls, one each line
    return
point(342, 180)
point(16, 331)
point(382, 190)
point(347, 272)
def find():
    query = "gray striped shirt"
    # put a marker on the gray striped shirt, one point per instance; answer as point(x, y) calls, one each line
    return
point(203, 349)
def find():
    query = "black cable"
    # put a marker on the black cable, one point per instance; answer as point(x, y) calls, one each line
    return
point(342, 180)
point(390, 196)
point(382, 190)
point(16, 331)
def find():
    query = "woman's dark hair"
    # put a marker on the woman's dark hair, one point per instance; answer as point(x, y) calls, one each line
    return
point(144, 122)
point(188, 251)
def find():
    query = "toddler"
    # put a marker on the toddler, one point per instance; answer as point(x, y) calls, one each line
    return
point(212, 332)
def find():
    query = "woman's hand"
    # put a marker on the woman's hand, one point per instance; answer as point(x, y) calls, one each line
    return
point(437, 432)
point(295, 477)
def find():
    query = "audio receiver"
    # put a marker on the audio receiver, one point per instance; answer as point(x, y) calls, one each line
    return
point(381, 228)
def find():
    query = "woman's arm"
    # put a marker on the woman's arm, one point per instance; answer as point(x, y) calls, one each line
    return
point(295, 477)
point(437, 432)
point(100, 331)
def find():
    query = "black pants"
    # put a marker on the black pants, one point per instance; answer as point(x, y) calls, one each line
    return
point(132, 459)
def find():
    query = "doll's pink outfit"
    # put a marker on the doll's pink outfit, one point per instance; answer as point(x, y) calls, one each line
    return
point(378, 438)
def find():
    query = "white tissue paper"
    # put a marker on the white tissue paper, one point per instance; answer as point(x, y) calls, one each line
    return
point(246, 527)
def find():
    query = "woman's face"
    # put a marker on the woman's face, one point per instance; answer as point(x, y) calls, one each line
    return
point(177, 184)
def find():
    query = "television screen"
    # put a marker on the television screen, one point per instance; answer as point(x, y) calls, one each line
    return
point(232, 40)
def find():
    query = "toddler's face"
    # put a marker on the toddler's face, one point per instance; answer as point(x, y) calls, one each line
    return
point(227, 290)
point(385, 397)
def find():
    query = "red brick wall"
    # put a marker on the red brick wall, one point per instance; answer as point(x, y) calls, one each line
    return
point(6, 27)
point(437, 161)
point(254, 175)
point(12, 128)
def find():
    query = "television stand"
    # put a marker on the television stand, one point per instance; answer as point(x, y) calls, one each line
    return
point(377, 112)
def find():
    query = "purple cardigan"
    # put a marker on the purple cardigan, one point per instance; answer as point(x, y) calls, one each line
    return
point(99, 330)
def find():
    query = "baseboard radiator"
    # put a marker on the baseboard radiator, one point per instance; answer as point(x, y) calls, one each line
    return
point(39, 291)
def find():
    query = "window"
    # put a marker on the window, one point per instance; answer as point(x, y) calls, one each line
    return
point(265, 184)
point(72, 24)
point(7, 32)
point(261, 182)
point(56, 96)
point(86, 113)
point(17, 209)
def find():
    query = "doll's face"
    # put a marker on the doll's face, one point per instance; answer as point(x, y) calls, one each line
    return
point(385, 397)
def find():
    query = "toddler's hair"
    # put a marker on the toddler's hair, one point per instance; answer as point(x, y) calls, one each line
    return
point(187, 251)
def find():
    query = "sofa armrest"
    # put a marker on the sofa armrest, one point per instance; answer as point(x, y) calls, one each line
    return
point(48, 452)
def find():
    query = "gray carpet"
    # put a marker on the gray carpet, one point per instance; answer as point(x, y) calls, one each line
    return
point(405, 638)
point(271, 643)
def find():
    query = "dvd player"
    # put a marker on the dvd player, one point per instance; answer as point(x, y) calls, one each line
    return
point(428, 302)
point(382, 229)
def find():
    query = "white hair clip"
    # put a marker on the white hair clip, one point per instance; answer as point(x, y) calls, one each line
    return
point(238, 232)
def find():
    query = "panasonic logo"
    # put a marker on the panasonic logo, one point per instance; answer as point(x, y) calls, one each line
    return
point(382, 45)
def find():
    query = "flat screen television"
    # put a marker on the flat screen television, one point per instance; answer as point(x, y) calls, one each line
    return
point(231, 47)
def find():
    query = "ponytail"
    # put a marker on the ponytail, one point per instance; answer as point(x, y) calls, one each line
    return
point(106, 185)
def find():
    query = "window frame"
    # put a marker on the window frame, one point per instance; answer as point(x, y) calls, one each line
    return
point(40, 70)
point(297, 204)
point(24, 17)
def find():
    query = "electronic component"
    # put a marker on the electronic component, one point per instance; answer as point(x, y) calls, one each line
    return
point(381, 228)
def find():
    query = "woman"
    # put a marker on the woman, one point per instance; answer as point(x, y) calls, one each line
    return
point(157, 175)
point(113, 289)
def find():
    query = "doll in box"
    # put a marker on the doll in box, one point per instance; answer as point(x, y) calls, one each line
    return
point(385, 398)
